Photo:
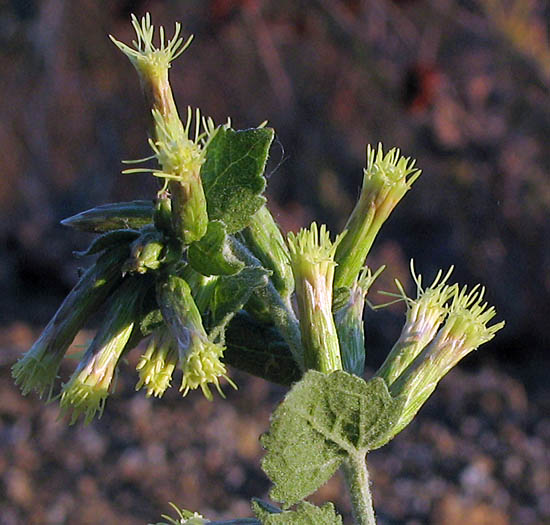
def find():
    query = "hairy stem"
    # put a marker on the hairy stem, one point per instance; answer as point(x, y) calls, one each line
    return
point(357, 481)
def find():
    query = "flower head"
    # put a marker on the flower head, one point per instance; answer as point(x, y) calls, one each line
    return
point(312, 253)
point(312, 261)
point(386, 179)
point(37, 369)
point(388, 171)
point(424, 316)
point(180, 149)
point(202, 367)
point(465, 329)
point(148, 59)
point(199, 358)
point(88, 388)
point(152, 64)
point(157, 364)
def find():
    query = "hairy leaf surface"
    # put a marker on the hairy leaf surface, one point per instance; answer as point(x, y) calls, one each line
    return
point(232, 175)
point(323, 420)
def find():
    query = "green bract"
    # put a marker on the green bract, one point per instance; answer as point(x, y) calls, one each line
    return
point(203, 271)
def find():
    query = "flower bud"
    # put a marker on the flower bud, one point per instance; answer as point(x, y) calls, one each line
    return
point(464, 330)
point(37, 369)
point(387, 178)
point(312, 261)
point(350, 326)
point(265, 240)
point(199, 358)
point(87, 390)
point(424, 316)
point(162, 215)
point(145, 252)
point(181, 157)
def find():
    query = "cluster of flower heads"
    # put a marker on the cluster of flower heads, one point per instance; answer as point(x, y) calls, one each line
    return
point(444, 323)
point(140, 271)
point(125, 275)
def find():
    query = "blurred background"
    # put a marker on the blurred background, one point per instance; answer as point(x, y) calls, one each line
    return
point(463, 86)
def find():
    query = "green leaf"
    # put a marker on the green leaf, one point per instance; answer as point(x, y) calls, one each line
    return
point(212, 254)
point(108, 240)
point(114, 216)
point(260, 350)
point(305, 514)
point(232, 175)
point(232, 292)
point(323, 420)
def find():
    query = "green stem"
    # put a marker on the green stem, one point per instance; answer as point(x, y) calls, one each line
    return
point(357, 480)
point(281, 313)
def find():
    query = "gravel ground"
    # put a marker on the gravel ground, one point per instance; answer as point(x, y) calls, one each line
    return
point(477, 454)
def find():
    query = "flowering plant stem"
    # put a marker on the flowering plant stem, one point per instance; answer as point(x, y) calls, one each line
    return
point(357, 480)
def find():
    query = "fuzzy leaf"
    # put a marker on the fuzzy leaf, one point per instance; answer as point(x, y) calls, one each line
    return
point(232, 175)
point(323, 420)
point(232, 292)
point(305, 514)
point(212, 254)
